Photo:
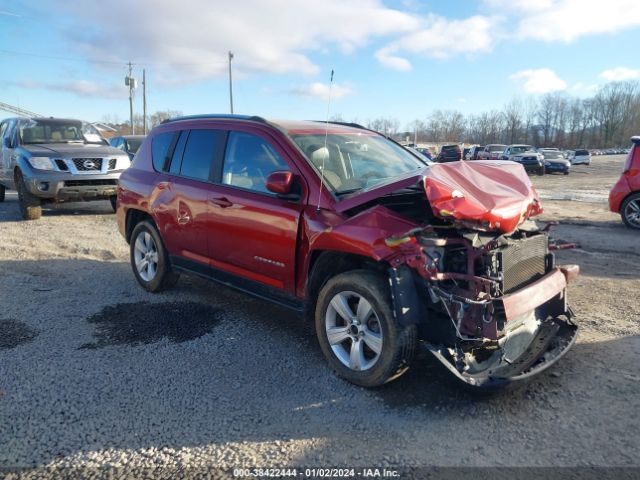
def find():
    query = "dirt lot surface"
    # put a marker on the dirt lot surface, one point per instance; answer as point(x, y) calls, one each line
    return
point(94, 371)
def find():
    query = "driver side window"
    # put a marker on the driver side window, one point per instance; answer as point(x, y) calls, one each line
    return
point(249, 160)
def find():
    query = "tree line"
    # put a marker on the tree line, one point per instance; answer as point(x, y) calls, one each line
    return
point(607, 119)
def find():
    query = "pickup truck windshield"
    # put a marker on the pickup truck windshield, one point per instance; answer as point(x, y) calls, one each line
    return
point(51, 130)
point(355, 161)
point(521, 149)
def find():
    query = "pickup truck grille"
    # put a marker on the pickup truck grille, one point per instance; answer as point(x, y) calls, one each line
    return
point(88, 164)
point(522, 262)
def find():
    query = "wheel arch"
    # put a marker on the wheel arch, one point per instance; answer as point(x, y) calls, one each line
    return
point(325, 264)
point(134, 217)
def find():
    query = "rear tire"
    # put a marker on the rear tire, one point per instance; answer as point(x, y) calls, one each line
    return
point(630, 211)
point(149, 259)
point(114, 202)
point(367, 346)
point(2, 193)
point(541, 171)
point(30, 205)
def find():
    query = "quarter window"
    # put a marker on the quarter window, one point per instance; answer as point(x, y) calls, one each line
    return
point(160, 146)
point(248, 162)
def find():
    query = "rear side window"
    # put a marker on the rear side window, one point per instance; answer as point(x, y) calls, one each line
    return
point(199, 152)
point(160, 146)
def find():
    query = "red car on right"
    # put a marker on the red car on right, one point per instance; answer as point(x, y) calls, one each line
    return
point(624, 197)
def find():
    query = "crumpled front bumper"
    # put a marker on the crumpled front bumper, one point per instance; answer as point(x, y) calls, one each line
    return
point(545, 302)
point(552, 341)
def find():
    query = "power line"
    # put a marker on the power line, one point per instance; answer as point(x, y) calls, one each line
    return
point(108, 62)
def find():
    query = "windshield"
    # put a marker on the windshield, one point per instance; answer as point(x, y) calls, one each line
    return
point(497, 148)
point(521, 148)
point(353, 161)
point(134, 144)
point(58, 131)
point(551, 154)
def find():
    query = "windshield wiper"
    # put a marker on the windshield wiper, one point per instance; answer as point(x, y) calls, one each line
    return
point(351, 190)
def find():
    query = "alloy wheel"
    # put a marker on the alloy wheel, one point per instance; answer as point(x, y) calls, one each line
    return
point(632, 213)
point(353, 331)
point(146, 256)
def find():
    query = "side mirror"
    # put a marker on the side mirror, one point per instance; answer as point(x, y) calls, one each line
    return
point(280, 182)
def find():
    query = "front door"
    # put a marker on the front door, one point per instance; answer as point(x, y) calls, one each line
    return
point(253, 232)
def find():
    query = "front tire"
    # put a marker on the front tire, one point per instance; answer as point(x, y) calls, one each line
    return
point(30, 205)
point(541, 171)
point(357, 331)
point(630, 211)
point(114, 202)
point(2, 193)
point(149, 259)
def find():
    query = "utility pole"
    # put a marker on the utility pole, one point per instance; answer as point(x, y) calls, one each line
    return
point(230, 82)
point(130, 83)
point(144, 101)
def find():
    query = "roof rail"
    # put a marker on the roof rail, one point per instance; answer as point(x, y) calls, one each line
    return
point(346, 124)
point(222, 116)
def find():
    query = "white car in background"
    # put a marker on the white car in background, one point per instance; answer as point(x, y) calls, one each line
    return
point(580, 156)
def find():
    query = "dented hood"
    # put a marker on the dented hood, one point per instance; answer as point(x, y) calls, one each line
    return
point(490, 195)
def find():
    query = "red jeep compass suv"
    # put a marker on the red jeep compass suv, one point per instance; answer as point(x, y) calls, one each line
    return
point(383, 252)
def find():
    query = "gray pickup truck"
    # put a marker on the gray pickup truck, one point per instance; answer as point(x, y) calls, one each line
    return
point(57, 160)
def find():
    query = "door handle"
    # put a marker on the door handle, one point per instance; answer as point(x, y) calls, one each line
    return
point(183, 218)
point(221, 202)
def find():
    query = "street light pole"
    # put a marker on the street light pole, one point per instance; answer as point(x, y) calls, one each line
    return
point(230, 83)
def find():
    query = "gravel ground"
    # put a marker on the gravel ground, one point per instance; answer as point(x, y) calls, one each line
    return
point(96, 372)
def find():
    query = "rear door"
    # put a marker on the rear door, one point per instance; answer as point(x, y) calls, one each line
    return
point(185, 191)
point(253, 231)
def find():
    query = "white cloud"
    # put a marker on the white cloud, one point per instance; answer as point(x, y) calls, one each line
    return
point(321, 90)
point(568, 20)
point(194, 36)
point(541, 80)
point(81, 88)
point(441, 38)
point(392, 61)
point(620, 74)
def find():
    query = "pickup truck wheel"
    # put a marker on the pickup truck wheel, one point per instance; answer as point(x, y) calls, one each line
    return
point(630, 211)
point(2, 192)
point(113, 199)
point(149, 259)
point(30, 205)
point(357, 331)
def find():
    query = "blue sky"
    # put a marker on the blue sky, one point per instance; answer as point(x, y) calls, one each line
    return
point(400, 59)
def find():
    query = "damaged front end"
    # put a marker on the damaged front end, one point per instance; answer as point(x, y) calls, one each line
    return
point(481, 282)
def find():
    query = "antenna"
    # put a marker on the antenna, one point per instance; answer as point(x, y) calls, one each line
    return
point(326, 134)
